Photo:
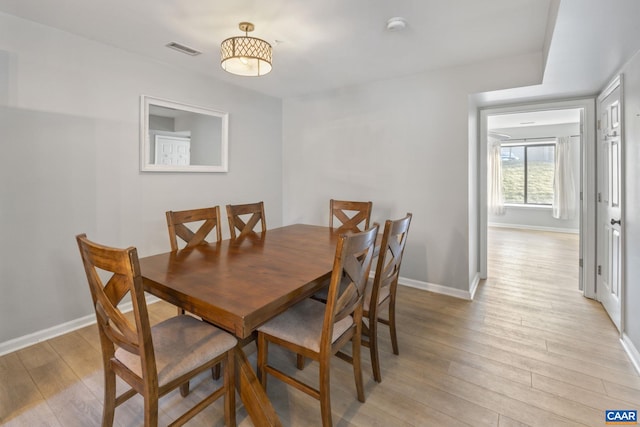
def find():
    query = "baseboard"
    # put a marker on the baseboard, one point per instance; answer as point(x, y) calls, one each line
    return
point(54, 331)
point(473, 286)
point(438, 289)
point(534, 227)
point(45, 334)
point(632, 351)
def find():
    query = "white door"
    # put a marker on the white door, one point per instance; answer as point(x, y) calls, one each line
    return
point(172, 150)
point(609, 186)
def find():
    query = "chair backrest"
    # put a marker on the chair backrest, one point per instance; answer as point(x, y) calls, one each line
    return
point(235, 215)
point(176, 225)
point(394, 239)
point(351, 215)
point(114, 327)
point(351, 266)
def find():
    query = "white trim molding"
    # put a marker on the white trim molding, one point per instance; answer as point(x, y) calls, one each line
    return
point(61, 329)
point(45, 334)
point(439, 289)
point(534, 227)
point(473, 286)
point(632, 351)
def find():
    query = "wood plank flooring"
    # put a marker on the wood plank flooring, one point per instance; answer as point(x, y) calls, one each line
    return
point(530, 350)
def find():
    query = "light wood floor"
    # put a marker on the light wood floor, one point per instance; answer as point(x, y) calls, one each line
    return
point(529, 350)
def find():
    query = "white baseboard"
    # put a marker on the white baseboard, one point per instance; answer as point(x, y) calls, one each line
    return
point(54, 331)
point(534, 227)
point(45, 334)
point(632, 351)
point(473, 286)
point(439, 289)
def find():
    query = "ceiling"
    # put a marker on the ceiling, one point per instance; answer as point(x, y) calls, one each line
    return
point(327, 44)
point(317, 44)
point(592, 40)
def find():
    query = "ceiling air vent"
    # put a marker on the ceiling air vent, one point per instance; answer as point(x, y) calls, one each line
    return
point(184, 49)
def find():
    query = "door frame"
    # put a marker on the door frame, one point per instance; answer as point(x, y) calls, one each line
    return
point(587, 281)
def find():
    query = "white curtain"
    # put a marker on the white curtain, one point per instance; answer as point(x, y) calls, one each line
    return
point(564, 189)
point(495, 197)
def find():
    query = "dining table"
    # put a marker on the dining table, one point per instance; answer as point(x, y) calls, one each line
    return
point(239, 284)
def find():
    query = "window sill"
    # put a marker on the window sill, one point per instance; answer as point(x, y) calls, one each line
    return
point(521, 206)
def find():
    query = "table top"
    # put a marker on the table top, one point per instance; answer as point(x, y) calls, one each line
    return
point(240, 284)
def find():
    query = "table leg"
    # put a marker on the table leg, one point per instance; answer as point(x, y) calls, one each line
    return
point(253, 396)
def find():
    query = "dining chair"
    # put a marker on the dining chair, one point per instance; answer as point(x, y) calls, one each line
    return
point(237, 215)
point(318, 331)
point(152, 360)
point(381, 291)
point(350, 215)
point(208, 219)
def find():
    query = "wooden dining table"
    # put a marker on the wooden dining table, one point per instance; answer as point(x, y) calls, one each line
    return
point(240, 284)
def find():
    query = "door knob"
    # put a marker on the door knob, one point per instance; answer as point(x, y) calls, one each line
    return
point(614, 222)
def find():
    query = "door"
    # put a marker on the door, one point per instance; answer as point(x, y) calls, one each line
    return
point(172, 150)
point(609, 200)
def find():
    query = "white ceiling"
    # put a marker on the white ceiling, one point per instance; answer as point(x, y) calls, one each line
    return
point(317, 44)
point(592, 40)
point(328, 44)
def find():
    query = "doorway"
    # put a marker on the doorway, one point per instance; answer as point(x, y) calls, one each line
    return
point(527, 153)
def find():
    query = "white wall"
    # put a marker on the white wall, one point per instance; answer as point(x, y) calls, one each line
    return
point(540, 217)
point(403, 144)
point(69, 114)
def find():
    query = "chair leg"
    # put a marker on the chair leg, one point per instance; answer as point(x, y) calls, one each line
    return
point(300, 361)
point(151, 408)
point(262, 359)
point(392, 326)
point(357, 365)
point(325, 393)
point(109, 398)
point(184, 389)
point(229, 378)
point(373, 349)
point(215, 372)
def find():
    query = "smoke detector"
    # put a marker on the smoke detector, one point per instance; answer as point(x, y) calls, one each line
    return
point(396, 24)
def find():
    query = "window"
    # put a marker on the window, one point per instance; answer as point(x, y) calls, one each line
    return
point(527, 173)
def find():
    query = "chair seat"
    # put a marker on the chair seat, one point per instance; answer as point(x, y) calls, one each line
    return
point(180, 344)
point(302, 325)
point(382, 294)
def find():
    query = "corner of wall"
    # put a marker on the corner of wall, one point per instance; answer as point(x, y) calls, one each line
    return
point(438, 289)
point(632, 351)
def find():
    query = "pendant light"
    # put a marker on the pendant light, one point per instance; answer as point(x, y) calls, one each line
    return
point(244, 55)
